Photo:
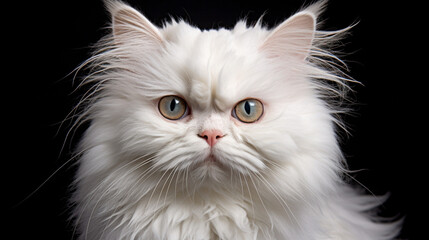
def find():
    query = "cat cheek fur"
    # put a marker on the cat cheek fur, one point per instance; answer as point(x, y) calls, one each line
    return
point(142, 176)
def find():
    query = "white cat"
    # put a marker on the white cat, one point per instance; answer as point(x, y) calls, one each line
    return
point(220, 134)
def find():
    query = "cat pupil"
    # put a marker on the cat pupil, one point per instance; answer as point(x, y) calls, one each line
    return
point(247, 107)
point(173, 104)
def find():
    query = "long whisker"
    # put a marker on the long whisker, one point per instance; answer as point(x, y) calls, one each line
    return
point(186, 181)
point(168, 180)
point(250, 195)
point(279, 198)
point(241, 183)
point(111, 217)
point(156, 186)
point(302, 198)
point(260, 198)
point(365, 187)
point(175, 184)
point(43, 183)
point(175, 170)
point(93, 193)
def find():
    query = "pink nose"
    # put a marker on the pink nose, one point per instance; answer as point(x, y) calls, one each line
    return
point(211, 136)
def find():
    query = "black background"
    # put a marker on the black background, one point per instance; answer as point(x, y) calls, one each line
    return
point(46, 40)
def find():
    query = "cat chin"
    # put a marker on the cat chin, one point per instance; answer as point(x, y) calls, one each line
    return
point(209, 172)
point(210, 164)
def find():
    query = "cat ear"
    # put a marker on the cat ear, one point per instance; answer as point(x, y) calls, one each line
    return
point(293, 38)
point(129, 25)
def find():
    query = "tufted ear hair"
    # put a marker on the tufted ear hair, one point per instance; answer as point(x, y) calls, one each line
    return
point(292, 38)
point(129, 25)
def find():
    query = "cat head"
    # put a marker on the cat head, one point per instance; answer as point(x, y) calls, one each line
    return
point(216, 104)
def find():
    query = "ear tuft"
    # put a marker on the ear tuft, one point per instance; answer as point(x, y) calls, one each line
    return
point(293, 38)
point(129, 25)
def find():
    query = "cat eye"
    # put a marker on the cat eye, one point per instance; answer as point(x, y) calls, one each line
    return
point(173, 107)
point(248, 110)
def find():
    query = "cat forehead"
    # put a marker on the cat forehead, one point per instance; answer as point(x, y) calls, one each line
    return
point(213, 62)
point(237, 39)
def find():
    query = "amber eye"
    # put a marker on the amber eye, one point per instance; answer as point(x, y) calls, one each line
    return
point(248, 110)
point(173, 107)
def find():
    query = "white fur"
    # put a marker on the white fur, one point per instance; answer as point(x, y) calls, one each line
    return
point(142, 176)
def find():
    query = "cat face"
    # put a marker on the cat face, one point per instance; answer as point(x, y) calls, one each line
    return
point(214, 104)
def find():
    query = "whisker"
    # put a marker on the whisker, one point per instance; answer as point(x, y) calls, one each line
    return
point(262, 201)
point(175, 170)
point(301, 197)
point(163, 186)
point(111, 216)
point(43, 183)
point(175, 185)
point(186, 181)
point(241, 183)
point(365, 187)
point(250, 195)
point(92, 194)
point(279, 198)
point(156, 186)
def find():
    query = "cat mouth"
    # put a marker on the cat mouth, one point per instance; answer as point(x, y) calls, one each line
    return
point(212, 161)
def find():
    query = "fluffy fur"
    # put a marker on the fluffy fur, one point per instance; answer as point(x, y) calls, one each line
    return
point(142, 176)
